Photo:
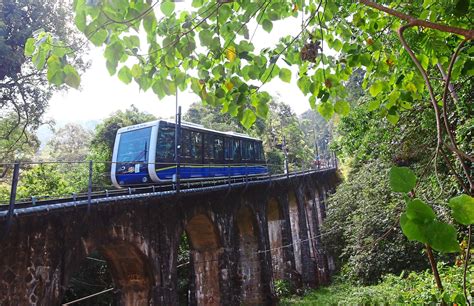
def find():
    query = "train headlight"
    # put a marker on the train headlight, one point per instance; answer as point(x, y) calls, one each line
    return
point(144, 179)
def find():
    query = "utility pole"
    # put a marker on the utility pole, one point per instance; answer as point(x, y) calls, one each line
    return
point(177, 143)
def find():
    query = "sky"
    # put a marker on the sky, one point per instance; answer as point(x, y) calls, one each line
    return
point(101, 94)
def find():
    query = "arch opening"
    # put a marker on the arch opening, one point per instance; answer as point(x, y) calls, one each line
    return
point(249, 259)
point(118, 271)
point(205, 249)
point(92, 277)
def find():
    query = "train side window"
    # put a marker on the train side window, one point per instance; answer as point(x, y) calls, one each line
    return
point(218, 149)
point(165, 144)
point(259, 152)
point(209, 152)
point(252, 150)
point(228, 148)
point(186, 144)
point(196, 146)
point(236, 149)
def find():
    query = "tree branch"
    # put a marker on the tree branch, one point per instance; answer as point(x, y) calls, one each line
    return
point(466, 263)
point(427, 81)
point(468, 34)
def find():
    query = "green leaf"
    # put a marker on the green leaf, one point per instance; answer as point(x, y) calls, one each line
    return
point(248, 118)
point(463, 209)
point(119, 4)
point(39, 59)
point(342, 107)
point(375, 89)
point(402, 179)
point(267, 25)
point(72, 78)
point(442, 237)
point(326, 110)
point(29, 46)
point(137, 71)
point(285, 75)
point(373, 105)
point(99, 37)
point(125, 75)
point(393, 116)
point(114, 51)
point(80, 20)
point(55, 73)
point(420, 212)
point(149, 23)
point(412, 230)
point(205, 36)
point(167, 8)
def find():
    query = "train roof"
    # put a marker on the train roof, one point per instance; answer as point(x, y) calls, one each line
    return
point(184, 124)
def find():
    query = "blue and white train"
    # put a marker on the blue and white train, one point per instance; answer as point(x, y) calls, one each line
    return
point(145, 154)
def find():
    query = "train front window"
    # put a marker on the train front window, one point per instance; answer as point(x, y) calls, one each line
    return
point(134, 146)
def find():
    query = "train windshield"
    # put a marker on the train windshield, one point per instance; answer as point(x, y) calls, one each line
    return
point(134, 146)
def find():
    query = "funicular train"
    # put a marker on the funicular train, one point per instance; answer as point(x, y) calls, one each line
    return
point(145, 154)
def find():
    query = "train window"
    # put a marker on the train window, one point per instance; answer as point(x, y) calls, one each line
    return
point(236, 149)
point(259, 151)
point(191, 146)
point(248, 152)
point(134, 146)
point(218, 148)
point(165, 144)
point(186, 144)
point(228, 148)
point(196, 146)
point(232, 149)
point(213, 148)
point(209, 147)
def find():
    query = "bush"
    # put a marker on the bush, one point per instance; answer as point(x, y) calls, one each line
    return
point(413, 289)
point(362, 230)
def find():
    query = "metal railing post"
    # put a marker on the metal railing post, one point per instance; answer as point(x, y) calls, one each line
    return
point(16, 174)
point(89, 187)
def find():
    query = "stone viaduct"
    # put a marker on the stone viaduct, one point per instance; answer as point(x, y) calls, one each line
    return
point(242, 239)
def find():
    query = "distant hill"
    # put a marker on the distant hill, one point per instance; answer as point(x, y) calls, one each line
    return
point(45, 132)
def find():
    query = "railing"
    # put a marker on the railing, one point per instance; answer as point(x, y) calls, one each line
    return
point(34, 183)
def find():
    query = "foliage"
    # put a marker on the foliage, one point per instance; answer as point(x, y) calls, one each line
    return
point(24, 91)
point(43, 180)
point(15, 143)
point(282, 288)
point(361, 232)
point(212, 118)
point(208, 48)
point(419, 222)
point(69, 143)
point(412, 289)
point(184, 269)
point(93, 275)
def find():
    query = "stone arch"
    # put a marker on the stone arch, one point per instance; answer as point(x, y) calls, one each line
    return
point(275, 219)
point(205, 252)
point(130, 268)
point(249, 259)
point(295, 229)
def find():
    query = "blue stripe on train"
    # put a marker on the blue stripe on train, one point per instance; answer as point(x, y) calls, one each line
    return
point(187, 172)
